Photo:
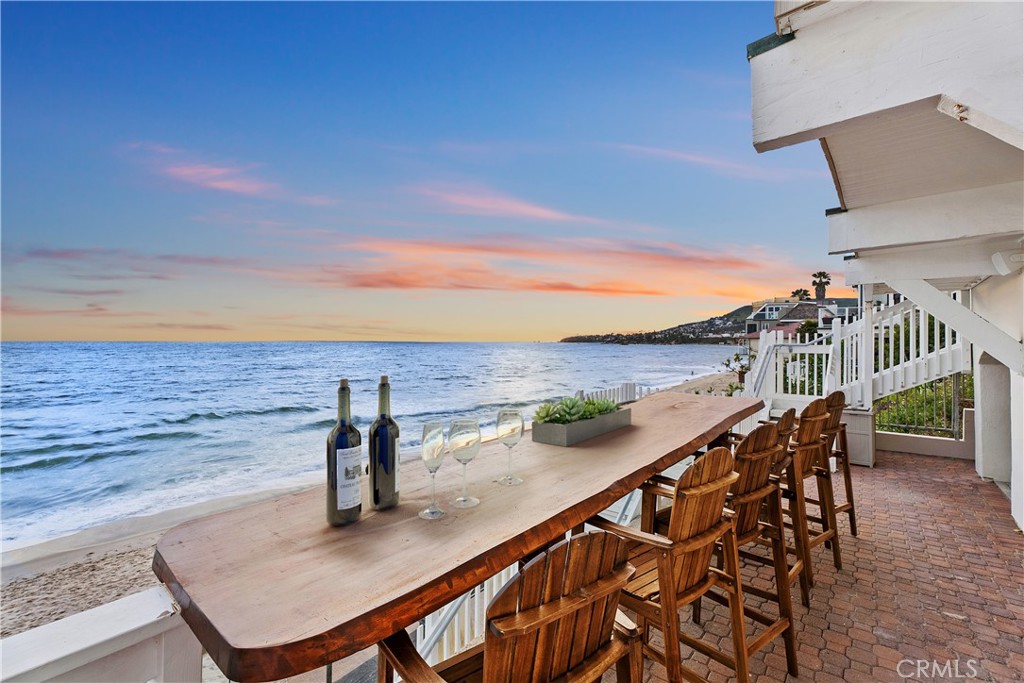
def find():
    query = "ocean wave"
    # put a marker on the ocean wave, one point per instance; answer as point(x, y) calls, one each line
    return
point(194, 417)
point(72, 460)
point(160, 436)
point(281, 410)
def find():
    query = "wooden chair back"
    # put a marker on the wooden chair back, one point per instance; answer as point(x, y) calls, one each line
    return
point(697, 515)
point(754, 457)
point(809, 446)
point(558, 612)
point(834, 403)
point(786, 425)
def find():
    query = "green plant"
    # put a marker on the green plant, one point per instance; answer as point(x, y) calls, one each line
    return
point(808, 327)
point(740, 362)
point(571, 409)
point(734, 389)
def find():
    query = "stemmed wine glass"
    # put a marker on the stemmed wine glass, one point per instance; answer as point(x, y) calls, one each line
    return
point(510, 431)
point(433, 454)
point(464, 443)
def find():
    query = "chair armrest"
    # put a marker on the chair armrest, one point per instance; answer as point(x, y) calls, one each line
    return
point(407, 662)
point(662, 479)
point(658, 489)
point(625, 627)
point(631, 534)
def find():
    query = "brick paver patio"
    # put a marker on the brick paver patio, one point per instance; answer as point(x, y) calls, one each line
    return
point(936, 574)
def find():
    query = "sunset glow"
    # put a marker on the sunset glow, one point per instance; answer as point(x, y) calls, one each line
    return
point(460, 171)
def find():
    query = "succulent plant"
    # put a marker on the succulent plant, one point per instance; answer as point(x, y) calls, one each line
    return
point(544, 413)
point(572, 409)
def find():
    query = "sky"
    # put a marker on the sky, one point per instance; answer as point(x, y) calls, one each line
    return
point(391, 171)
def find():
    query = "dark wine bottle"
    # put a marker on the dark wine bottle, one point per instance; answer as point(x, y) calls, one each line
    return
point(384, 452)
point(344, 464)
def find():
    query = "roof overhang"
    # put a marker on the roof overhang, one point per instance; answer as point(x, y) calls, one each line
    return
point(929, 147)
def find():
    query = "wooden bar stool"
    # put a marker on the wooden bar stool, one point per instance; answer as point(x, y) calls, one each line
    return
point(557, 620)
point(809, 459)
point(756, 502)
point(675, 569)
point(836, 402)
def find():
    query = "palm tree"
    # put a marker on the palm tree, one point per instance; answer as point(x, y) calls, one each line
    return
point(820, 282)
point(801, 294)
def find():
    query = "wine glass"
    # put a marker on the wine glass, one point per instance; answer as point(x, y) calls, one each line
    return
point(510, 431)
point(433, 453)
point(464, 443)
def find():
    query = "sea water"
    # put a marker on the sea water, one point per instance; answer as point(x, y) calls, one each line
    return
point(95, 432)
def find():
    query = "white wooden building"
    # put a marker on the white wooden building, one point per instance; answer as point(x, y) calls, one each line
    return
point(918, 110)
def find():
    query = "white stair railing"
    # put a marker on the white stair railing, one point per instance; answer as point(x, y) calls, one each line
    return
point(909, 347)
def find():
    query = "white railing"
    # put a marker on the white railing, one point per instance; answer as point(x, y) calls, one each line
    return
point(625, 393)
point(140, 637)
point(907, 347)
point(461, 623)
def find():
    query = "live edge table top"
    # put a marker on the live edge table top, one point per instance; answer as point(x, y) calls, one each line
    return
point(271, 590)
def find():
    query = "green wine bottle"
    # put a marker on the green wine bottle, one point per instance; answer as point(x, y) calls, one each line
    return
point(344, 464)
point(384, 452)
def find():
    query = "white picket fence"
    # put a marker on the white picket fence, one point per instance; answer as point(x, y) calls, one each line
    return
point(625, 393)
point(906, 347)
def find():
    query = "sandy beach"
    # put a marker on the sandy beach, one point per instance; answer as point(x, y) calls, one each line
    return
point(51, 580)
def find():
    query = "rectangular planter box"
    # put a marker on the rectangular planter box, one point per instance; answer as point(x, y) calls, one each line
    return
point(575, 432)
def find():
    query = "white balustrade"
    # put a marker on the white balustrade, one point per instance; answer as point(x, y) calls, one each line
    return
point(140, 637)
point(908, 347)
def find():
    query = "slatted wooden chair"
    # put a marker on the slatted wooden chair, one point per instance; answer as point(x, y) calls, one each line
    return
point(836, 402)
point(786, 426)
point(675, 569)
point(810, 459)
point(756, 501)
point(556, 620)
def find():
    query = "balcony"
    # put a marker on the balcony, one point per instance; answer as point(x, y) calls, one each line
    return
point(931, 581)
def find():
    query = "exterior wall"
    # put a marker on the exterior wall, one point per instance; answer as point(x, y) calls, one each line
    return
point(993, 419)
point(999, 301)
point(880, 55)
point(1017, 441)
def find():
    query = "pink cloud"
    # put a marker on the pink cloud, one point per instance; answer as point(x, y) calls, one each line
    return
point(184, 167)
point(481, 201)
point(226, 178)
point(729, 167)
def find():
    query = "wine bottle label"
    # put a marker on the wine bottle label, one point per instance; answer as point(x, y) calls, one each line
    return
point(350, 464)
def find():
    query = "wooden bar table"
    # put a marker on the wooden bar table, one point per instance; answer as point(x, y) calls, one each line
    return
point(270, 590)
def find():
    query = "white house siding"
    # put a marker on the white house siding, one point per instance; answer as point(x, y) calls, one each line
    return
point(922, 108)
point(883, 54)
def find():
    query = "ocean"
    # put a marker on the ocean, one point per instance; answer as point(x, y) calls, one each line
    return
point(92, 433)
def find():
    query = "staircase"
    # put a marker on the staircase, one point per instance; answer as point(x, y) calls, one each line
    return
point(903, 347)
